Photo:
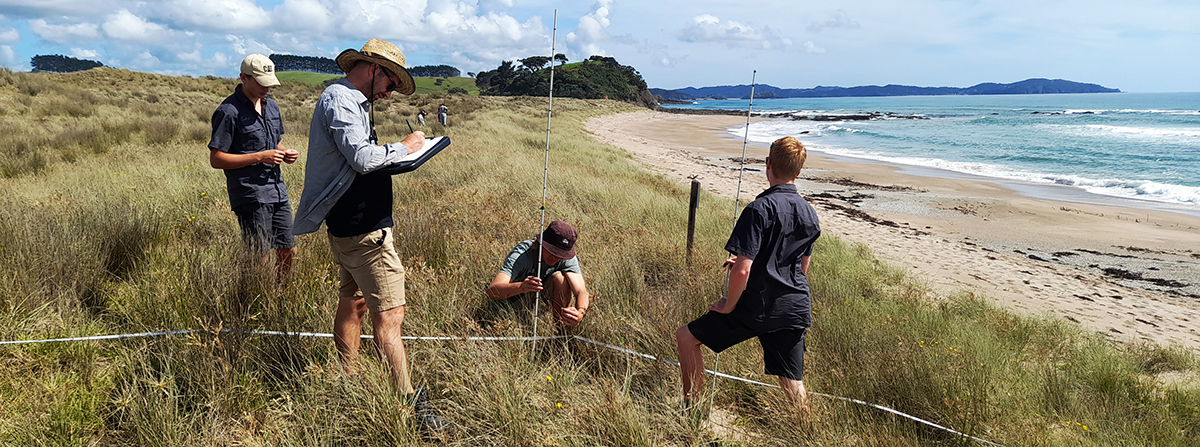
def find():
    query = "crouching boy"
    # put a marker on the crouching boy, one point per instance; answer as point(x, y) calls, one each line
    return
point(767, 296)
point(560, 275)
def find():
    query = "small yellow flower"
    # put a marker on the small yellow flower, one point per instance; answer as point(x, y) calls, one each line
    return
point(559, 404)
point(548, 378)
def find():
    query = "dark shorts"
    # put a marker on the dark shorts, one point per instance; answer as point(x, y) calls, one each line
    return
point(266, 225)
point(783, 350)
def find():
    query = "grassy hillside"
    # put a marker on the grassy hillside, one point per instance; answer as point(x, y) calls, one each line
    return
point(306, 77)
point(424, 85)
point(113, 222)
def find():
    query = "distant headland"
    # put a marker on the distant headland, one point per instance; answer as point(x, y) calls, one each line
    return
point(763, 91)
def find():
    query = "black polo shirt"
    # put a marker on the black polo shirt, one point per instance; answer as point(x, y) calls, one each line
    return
point(238, 129)
point(775, 231)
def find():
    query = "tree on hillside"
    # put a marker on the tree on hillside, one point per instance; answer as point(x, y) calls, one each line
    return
point(501, 76)
point(597, 78)
point(534, 63)
point(603, 59)
point(560, 58)
point(434, 71)
point(61, 64)
point(288, 62)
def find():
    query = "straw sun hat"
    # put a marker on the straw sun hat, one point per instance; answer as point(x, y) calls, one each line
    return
point(386, 55)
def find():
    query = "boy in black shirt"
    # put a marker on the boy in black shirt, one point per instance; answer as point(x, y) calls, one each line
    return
point(767, 295)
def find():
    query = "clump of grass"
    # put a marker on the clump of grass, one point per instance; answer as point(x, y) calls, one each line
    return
point(161, 131)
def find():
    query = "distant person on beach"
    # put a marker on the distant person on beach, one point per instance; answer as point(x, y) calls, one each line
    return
point(561, 277)
point(421, 117)
point(767, 294)
point(343, 190)
point(246, 143)
point(442, 112)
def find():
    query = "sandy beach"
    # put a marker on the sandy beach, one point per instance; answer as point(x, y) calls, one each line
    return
point(1127, 273)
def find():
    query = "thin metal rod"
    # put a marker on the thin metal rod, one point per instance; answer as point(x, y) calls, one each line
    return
point(545, 178)
point(737, 202)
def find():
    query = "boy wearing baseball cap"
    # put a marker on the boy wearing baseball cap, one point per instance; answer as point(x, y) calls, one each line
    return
point(246, 144)
point(559, 270)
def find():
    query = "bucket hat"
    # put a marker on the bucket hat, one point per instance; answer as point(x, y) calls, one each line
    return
point(559, 239)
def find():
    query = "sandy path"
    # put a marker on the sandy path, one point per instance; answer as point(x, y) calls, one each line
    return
point(1126, 273)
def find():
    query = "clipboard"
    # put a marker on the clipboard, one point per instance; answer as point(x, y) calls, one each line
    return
point(416, 159)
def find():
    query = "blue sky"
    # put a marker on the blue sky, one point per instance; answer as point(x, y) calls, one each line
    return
point(1143, 46)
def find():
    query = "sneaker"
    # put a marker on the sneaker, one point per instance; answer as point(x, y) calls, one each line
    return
point(429, 422)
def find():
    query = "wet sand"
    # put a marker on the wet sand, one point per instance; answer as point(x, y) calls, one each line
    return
point(1128, 273)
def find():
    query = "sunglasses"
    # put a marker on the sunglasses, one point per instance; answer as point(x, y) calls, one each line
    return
point(391, 81)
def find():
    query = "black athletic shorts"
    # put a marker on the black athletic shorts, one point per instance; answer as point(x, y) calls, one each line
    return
point(783, 350)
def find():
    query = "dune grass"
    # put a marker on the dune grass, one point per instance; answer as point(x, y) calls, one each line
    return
point(111, 223)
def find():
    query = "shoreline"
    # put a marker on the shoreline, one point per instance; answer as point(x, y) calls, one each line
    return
point(1126, 273)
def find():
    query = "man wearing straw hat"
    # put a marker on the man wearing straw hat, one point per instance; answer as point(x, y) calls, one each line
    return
point(246, 143)
point(343, 190)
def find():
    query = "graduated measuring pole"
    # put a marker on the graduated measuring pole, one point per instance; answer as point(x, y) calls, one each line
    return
point(737, 203)
point(545, 180)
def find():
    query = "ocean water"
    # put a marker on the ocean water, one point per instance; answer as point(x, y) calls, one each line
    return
point(1141, 147)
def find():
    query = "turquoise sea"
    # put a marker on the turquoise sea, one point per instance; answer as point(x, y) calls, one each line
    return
point(1137, 149)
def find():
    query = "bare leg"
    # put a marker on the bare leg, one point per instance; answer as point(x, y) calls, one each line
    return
point(283, 263)
point(795, 392)
point(347, 330)
point(691, 363)
point(387, 337)
point(560, 295)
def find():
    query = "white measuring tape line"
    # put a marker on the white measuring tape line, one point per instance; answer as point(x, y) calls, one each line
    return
point(553, 337)
point(740, 379)
point(283, 333)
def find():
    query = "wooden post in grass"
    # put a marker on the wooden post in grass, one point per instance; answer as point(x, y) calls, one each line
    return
point(692, 203)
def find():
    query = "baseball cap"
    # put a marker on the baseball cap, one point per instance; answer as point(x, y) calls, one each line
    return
point(559, 239)
point(261, 69)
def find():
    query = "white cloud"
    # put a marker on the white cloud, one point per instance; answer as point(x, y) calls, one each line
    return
point(63, 33)
point(146, 60)
point(124, 25)
point(84, 54)
point(194, 57)
point(217, 62)
point(244, 46)
point(839, 20)
point(311, 16)
point(710, 28)
point(591, 31)
point(813, 48)
point(223, 15)
point(9, 36)
point(8, 57)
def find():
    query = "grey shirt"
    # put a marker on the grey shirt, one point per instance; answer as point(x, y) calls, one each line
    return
point(522, 262)
point(339, 149)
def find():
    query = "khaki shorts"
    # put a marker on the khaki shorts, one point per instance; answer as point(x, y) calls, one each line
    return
point(369, 264)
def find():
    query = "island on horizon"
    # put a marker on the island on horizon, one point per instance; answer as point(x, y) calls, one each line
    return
point(764, 91)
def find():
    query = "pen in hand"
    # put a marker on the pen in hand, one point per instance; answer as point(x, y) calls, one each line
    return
point(410, 129)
